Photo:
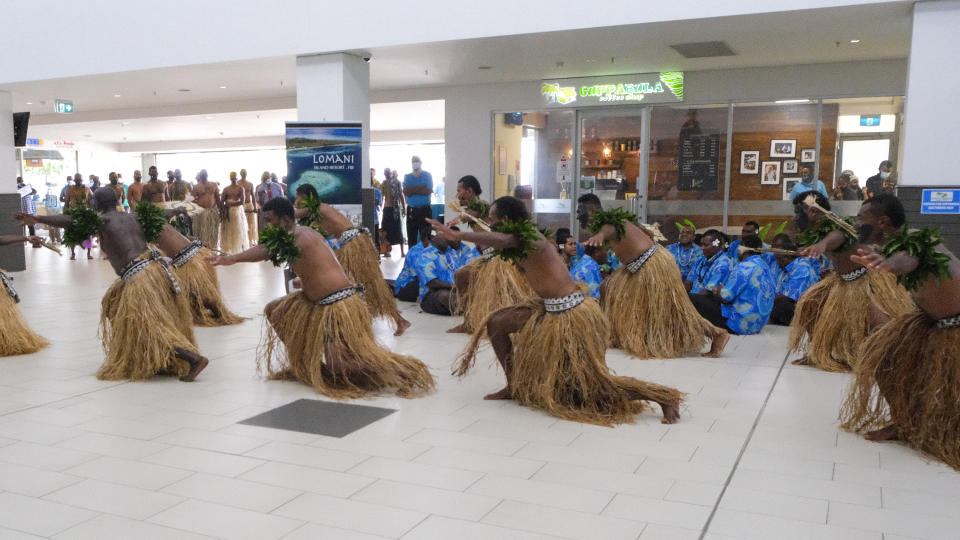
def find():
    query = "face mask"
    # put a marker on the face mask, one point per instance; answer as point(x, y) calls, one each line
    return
point(806, 178)
point(416, 165)
point(864, 232)
point(884, 175)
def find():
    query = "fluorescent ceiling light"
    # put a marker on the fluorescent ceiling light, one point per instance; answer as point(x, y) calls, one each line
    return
point(116, 95)
point(792, 101)
point(854, 41)
point(223, 87)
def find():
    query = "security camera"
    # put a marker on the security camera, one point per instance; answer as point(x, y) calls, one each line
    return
point(366, 58)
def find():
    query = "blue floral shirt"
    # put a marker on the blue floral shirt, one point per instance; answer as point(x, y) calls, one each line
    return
point(685, 257)
point(799, 276)
point(409, 272)
point(431, 265)
point(464, 254)
point(588, 271)
point(709, 273)
point(748, 296)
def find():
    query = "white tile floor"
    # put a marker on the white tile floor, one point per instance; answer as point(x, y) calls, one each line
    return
point(81, 458)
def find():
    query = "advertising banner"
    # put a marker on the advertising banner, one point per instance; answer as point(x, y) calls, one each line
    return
point(327, 155)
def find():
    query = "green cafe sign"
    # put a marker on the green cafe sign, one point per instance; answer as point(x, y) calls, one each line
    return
point(664, 87)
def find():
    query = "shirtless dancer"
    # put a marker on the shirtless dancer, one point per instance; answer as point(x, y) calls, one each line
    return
point(250, 208)
point(135, 191)
point(552, 348)
point(650, 313)
point(206, 226)
point(145, 321)
point(325, 327)
point(233, 228)
point(118, 190)
point(77, 195)
point(357, 255)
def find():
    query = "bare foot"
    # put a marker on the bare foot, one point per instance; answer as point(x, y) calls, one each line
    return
point(502, 394)
point(805, 361)
point(889, 433)
point(89, 257)
point(459, 329)
point(196, 367)
point(402, 325)
point(73, 257)
point(717, 345)
point(671, 413)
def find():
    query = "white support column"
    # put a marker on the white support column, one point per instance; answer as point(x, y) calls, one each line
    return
point(932, 109)
point(336, 88)
point(8, 159)
point(147, 161)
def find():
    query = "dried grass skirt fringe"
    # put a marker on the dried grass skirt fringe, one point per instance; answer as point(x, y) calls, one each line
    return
point(362, 264)
point(16, 337)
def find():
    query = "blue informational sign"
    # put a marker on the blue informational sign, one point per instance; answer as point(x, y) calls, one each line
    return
point(940, 201)
point(871, 120)
point(327, 156)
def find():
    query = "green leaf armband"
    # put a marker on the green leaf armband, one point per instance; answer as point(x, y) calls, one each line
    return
point(922, 245)
point(280, 245)
point(152, 219)
point(617, 217)
point(820, 231)
point(86, 223)
point(525, 232)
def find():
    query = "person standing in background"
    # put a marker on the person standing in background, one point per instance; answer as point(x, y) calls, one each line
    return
point(135, 192)
point(249, 206)
point(266, 191)
point(417, 188)
point(28, 204)
point(877, 183)
point(394, 206)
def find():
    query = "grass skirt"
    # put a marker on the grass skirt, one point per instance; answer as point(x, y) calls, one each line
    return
point(361, 263)
point(141, 323)
point(307, 330)
point(559, 366)
point(909, 374)
point(832, 318)
point(16, 337)
point(200, 284)
point(650, 312)
point(251, 217)
point(233, 232)
point(206, 227)
point(494, 284)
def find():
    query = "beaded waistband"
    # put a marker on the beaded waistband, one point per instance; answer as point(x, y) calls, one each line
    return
point(351, 233)
point(8, 286)
point(341, 294)
point(488, 253)
point(186, 254)
point(138, 265)
point(557, 306)
point(635, 265)
point(855, 275)
point(947, 323)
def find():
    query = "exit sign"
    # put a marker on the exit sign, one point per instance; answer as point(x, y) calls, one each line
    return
point(63, 106)
point(869, 120)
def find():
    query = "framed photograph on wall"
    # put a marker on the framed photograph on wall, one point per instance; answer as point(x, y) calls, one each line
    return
point(501, 159)
point(783, 148)
point(788, 184)
point(808, 155)
point(770, 173)
point(790, 166)
point(750, 162)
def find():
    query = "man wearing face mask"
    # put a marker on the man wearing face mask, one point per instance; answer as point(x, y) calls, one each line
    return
point(877, 183)
point(808, 183)
point(417, 188)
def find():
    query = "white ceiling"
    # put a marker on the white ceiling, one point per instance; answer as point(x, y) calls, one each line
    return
point(784, 38)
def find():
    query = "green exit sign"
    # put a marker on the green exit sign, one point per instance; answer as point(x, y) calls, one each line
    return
point(63, 106)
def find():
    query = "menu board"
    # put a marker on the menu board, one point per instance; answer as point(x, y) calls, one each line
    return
point(699, 163)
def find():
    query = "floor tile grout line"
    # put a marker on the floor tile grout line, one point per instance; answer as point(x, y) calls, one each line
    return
point(743, 449)
point(38, 405)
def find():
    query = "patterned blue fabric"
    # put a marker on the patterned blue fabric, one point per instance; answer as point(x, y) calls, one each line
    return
point(822, 263)
point(612, 261)
point(378, 205)
point(709, 273)
point(588, 271)
point(431, 265)
point(685, 257)
point(464, 255)
point(799, 276)
point(409, 272)
point(333, 242)
point(748, 296)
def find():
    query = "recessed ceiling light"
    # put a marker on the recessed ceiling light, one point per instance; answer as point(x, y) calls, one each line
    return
point(854, 41)
point(484, 67)
point(208, 117)
point(183, 90)
point(223, 87)
point(116, 95)
point(29, 103)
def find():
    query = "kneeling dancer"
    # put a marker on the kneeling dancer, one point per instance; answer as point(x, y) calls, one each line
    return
point(650, 313)
point(907, 382)
point(356, 254)
point(325, 327)
point(145, 319)
point(16, 337)
point(552, 347)
point(197, 278)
